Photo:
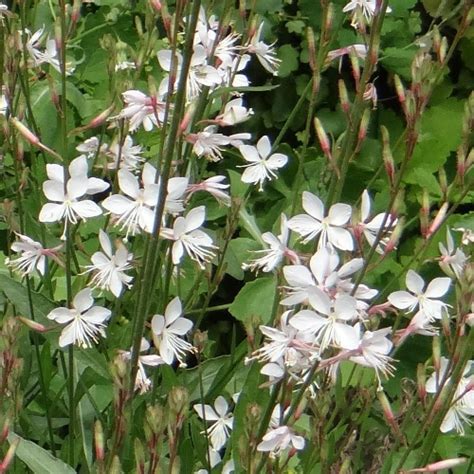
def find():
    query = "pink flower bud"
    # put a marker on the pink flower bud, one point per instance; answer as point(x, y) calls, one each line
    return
point(323, 138)
point(25, 132)
point(99, 441)
point(437, 221)
point(440, 465)
point(38, 327)
point(343, 96)
point(156, 4)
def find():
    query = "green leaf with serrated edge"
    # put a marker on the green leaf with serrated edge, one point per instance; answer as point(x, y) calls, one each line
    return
point(255, 300)
point(38, 459)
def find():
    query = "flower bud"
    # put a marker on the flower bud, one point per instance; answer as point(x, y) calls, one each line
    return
point(421, 382)
point(10, 455)
point(25, 132)
point(438, 220)
point(355, 66)
point(116, 467)
point(323, 138)
point(387, 156)
point(5, 430)
point(329, 21)
point(311, 48)
point(139, 456)
point(156, 5)
point(364, 123)
point(343, 96)
point(443, 50)
point(99, 441)
point(443, 181)
point(424, 213)
point(178, 400)
point(395, 237)
point(156, 419)
point(76, 11)
point(440, 465)
point(400, 89)
point(33, 325)
point(436, 353)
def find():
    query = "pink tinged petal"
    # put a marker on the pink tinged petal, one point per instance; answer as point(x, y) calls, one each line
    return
point(351, 267)
point(195, 218)
point(96, 185)
point(51, 212)
point(319, 301)
point(128, 183)
point(339, 214)
point(365, 206)
point(277, 160)
point(414, 282)
point(438, 287)
point(249, 153)
point(173, 310)
point(54, 190)
point(264, 146)
point(221, 406)
point(313, 206)
point(105, 243)
point(340, 238)
point(157, 324)
point(55, 172)
point(97, 315)
point(83, 300)
point(61, 315)
point(118, 204)
point(86, 209)
point(402, 299)
point(76, 187)
point(68, 335)
point(181, 326)
point(177, 252)
point(307, 320)
point(78, 167)
point(297, 275)
point(346, 336)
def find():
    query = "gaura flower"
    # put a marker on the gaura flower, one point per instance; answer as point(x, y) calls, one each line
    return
point(280, 439)
point(222, 421)
point(86, 322)
point(168, 330)
point(330, 227)
point(262, 164)
point(265, 52)
point(109, 268)
point(234, 112)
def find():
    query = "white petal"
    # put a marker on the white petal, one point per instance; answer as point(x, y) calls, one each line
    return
point(177, 252)
point(264, 146)
point(97, 315)
point(86, 209)
point(438, 287)
point(54, 190)
point(339, 214)
point(173, 310)
point(250, 154)
point(307, 320)
point(78, 167)
point(340, 238)
point(117, 204)
point(157, 324)
point(319, 301)
point(105, 243)
point(195, 218)
point(365, 206)
point(277, 160)
point(414, 282)
point(298, 276)
point(51, 212)
point(128, 183)
point(83, 300)
point(221, 406)
point(402, 299)
point(313, 206)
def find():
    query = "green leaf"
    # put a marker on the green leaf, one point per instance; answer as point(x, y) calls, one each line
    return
point(255, 300)
point(289, 60)
point(237, 253)
point(38, 459)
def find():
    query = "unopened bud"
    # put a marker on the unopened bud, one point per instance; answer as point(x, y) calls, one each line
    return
point(200, 340)
point(99, 441)
point(364, 124)
point(96, 121)
point(438, 220)
point(424, 213)
point(311, 48)
point(188, 115)
point(387, 156)
point(116, 467)
point(155, 419)
point(5, 430)
point(394, 237)
point(421, 381)
point(4, 465)
point(76, 11)
point(178, 400)
point(343, 96)
point(139, 456)
point(436, 345)
point(443, 181)
point(445, 324)
point(58, 36)
point(443, 49)
point(400, 89)
point(25, 132)
point(33, 325)
point(436, 39)
point(440, 465)
point(374, 52)
point(323, 138)
point(156, 5)
point(386, 408)
point(355, 66)
point(329, 21)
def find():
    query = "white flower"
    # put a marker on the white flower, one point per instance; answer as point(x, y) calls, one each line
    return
point(365, 7)
point(262, 164)
point(277, 251)
point(374, 348)
point(142, 382)
point(168, 330)
point(222, 420)
point(86, 322)
point(209, 143)
point(371, 227)
point(330, 228)
point(463, 401)
point(234, 112)
point(33, 255)
point(109, 268)
point(360, 50)
point(3, 105)
point(126, 156)
point(89, 147)
point(330, 323)
point(137, 210)
point(453, 260)
point(214, 186)
point(265, 52)
point(142, 110)
point(66, 205)
point(189, 238)
point(427, 301)
point(279, 439)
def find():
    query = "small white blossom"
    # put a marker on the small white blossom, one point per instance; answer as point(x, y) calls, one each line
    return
point(33, 256)
point(128, 156)
point(366, 8)
point(453, 260)
point(189, 238)
point(330, 228)
point(279, 439)
point(427, 300)
point(234, 112)
point(142, 382)
point(265, 52)
point(262, 164)
point(168, 330)
point(85, 322)
point(222, 421)
point(214, 186)
point(109, 268)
